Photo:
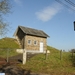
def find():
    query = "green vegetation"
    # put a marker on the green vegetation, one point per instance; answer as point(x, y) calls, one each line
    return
point(52, 65)
point(8, 45)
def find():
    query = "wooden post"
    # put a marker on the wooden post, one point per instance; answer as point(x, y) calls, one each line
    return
point(7, 54)
point(60, 54)
point(72, 54)
point(46, 55)
point(24, 56)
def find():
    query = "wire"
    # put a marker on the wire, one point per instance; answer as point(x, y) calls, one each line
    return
point(65, 5)
point(70, 2)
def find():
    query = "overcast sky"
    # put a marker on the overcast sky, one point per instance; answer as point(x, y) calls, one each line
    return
point(52, 17)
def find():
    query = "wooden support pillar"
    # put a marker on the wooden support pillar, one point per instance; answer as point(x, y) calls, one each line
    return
point(24, 56)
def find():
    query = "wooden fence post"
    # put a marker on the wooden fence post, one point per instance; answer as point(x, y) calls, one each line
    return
point(60, 54)
point(7, 54)
point(24, 56)
point(72, 54)
point(46, 55)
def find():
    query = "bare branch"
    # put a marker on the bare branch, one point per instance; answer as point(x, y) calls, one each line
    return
point(4, 9)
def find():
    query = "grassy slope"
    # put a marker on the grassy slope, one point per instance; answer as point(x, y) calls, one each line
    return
point(8, 43)
point(53, 65)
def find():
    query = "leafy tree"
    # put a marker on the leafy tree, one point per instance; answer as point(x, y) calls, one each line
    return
point(4, 9)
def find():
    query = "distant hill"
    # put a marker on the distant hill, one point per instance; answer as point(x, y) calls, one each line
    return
point(9, 43)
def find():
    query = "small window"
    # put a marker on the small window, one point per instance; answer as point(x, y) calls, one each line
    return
point(29, 42)
point(35, 42)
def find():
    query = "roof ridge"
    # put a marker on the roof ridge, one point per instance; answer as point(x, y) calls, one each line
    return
point(30, 28)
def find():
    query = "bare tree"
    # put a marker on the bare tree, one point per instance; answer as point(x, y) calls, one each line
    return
point(4, 9)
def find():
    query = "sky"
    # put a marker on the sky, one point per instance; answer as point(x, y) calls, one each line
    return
point(51, 16)
point(2, 73)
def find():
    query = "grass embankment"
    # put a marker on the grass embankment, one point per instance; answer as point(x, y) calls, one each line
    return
point(53, 65)
point(37, 64)
point(8, 45)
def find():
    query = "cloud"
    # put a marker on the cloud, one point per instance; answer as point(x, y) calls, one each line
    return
point(18, 2)
point(49, 12)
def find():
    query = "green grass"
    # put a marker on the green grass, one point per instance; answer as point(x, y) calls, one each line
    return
point(8, 45)
point(52, 65)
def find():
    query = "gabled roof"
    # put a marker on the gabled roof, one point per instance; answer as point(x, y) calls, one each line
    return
point(31, 31)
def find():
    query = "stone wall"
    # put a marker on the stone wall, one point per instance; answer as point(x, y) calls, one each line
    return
point(33, 46)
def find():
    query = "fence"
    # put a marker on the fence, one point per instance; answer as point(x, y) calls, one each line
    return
point(17, 55)
point(10, 55)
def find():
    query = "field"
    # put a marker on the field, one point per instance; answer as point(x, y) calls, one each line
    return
point(53, 65)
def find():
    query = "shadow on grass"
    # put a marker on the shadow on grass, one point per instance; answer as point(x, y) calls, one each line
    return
point(13, 70)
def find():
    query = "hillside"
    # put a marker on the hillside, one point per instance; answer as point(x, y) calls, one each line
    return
point(8, 43)
point(53, 65)
point(52, 49)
